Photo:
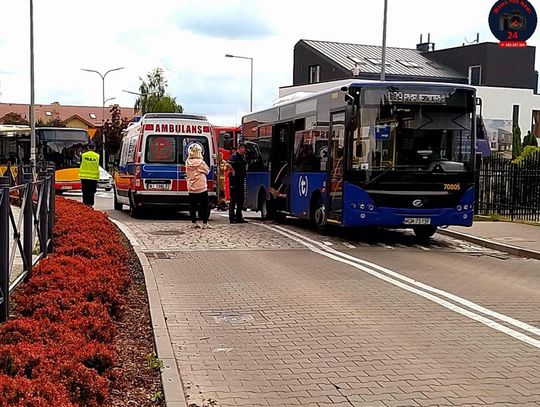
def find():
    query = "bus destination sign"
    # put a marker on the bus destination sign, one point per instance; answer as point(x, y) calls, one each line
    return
point(407, 97)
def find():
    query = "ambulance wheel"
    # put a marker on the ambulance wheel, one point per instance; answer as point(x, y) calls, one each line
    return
point(118, 206)
point(134, 212)
point(423, 233)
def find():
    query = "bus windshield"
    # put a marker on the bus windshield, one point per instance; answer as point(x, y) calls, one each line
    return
point(62, 147)
point(413, 138)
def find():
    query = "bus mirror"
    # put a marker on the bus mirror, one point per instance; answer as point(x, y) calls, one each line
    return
point(350, 117)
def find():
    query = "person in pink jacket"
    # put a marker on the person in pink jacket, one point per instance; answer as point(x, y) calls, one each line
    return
point(197, 186)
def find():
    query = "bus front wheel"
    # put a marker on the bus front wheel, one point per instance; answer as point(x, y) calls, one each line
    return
point(318, 217)
point(263, 207)
point(424, 232)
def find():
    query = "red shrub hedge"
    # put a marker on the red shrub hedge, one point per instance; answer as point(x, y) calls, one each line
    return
point(59, 351)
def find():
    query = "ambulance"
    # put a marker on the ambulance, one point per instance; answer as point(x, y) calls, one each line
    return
point(151, 172)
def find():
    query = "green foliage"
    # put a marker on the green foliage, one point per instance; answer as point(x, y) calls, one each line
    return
point(51, 123)
point(530, 140)
point(516, 142)
point(113, 130)
point(527, 151)
point(153, 361)
point(153, 98)
point(157, 396)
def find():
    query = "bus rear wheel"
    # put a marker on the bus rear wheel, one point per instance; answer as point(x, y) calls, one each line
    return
point(424, 232)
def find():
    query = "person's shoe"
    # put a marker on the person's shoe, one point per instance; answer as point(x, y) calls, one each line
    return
point(195, 225)
point(232, 221)
point(207, 226)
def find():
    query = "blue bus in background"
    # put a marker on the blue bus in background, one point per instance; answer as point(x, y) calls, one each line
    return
point(384, 154)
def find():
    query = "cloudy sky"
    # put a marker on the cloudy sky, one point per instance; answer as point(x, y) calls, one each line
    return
point(189, 40)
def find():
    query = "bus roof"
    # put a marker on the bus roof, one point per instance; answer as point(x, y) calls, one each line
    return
point(290, 99)
point(12, 129)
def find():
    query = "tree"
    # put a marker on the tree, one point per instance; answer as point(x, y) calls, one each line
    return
point(113, 131)
point(51, 123)
point(153, 98)
point(15, 119)
point(517, 147)
point(530, 140)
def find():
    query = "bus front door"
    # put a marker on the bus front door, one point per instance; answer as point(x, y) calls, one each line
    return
point(335, 167)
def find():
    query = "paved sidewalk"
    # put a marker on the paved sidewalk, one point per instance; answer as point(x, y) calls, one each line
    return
point(516, 238)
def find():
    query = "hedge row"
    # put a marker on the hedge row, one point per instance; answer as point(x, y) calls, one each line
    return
point(58, 351)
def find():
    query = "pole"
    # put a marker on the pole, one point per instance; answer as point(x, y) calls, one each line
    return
point(383, 58)
point(32, 101)
point(102, 76)
point(103, 120)
point(4, 247)
point(251, 88)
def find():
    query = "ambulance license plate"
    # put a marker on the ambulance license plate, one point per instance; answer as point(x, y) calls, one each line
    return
point(158, 186)
point(417, 221)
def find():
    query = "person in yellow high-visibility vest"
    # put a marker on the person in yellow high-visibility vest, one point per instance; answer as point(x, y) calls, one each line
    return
point(89, 174)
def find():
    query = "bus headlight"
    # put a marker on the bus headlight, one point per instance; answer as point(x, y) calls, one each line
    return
point(362, 216)
point(371, 207)
point(362, 206)
point(466, 207)
point(458, 207)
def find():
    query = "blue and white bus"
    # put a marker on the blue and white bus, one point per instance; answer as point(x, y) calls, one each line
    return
point(388, 154)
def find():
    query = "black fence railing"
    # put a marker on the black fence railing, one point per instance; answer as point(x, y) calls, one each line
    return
point(26, 222)
point(510, 190)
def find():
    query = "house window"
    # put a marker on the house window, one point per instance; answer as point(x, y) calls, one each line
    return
point(409, 64)
point(314, 73)
point(475, 75)
point(377, 61)
point(535, 128)
point(48, 114)
point(92, 115)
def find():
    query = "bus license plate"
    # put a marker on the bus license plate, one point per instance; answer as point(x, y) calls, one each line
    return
point(417, 221)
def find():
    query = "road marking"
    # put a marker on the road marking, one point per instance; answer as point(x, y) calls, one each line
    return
point(363, 265)
point(350, 246)
point(328, 243)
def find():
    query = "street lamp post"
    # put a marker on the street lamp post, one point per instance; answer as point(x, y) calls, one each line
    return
point(383, 57)
point(251, 82)
point(32, 93)
point(103, 103)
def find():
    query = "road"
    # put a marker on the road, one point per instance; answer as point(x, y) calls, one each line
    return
point(269, 314)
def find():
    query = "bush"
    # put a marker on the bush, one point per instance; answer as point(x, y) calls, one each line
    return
point(59, 351)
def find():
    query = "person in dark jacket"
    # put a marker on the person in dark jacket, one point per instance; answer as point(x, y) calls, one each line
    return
point(237, 166)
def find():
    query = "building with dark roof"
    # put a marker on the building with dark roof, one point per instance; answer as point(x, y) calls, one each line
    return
point(324, 61)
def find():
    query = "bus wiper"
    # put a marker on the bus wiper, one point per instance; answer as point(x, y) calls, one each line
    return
point(381, 174)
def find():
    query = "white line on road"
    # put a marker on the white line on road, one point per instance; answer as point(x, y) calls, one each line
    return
point(350, 246)
point(363, 265)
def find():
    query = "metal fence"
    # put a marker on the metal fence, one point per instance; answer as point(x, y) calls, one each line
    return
point(510, 190)
point(26, 222)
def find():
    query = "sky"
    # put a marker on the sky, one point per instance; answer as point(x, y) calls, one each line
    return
point(189, 39)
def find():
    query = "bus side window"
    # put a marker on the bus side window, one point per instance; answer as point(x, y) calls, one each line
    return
point(254, 158)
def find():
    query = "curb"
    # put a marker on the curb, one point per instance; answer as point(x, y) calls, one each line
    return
point(173, 389)
point(490, 244)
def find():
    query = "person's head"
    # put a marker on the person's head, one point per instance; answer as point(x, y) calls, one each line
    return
point(91, 146)
point(241, 148)
point(196, 151)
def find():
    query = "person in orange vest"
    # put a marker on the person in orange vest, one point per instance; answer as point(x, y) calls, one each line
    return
point(89, 174)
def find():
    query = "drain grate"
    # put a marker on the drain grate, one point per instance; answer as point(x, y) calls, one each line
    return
point(168, 232)
point(157, 255)
point(231, 317)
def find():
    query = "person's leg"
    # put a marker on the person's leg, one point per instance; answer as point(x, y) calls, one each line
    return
point(205, 209)
point(240, 198)
point(85, 191)
point(93, 189)
point(232, 203)
point(192, 207)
